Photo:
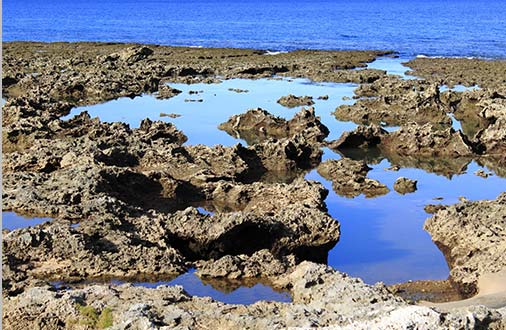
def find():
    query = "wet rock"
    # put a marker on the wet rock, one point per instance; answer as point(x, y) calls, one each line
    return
point(323, 97)
point(481, 173)
point(404, 185)
point(349, 178)
point(472, 236)
point(292, 101)
point(166, 92)
point(257, 125)
point(433, 208)
point(426, 290)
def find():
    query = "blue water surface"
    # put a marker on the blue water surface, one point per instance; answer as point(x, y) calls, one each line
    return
point(382, 239)
point(11, 221)
point(240, 295)
point(430, 27)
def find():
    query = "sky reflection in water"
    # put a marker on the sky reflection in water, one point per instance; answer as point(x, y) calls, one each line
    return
point(382, 238)
point(11, 221)
point(227, 293)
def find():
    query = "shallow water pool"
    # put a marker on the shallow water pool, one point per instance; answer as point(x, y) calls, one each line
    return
point(222, 290)
point(227, 291)
point(12, 220)
point(382, 238)
point(199, 120)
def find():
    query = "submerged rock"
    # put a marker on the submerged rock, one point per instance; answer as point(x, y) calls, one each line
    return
point(404, 185)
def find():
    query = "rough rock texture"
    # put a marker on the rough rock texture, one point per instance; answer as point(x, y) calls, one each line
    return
point(257, 125)
point(97, 247)
point(404, 185)
point(481, 111)
point(460, 71)
point(288, 155)
point(349, 178)
point(433, 208)
point(394, 102)
point(102, 71)
point(160, 244)
point(142, 168)
point(364, 137)
point(408, 148)
point(292, 101)
point(124, 199)
point(493, 137)
point(427, 140)
point(260, 264)
point(472, 235)
point(321, 297)
point(260, 197)
point(166, 92)
point(302, 231)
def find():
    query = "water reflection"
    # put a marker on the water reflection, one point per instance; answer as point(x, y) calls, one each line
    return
point(12, 220)
point(199, 121)
point(230, 292)
point(392, 66)
point(458, 88)
point(382, 238)
point(243, 292)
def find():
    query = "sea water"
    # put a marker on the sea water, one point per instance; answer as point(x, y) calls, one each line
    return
point(431, 27)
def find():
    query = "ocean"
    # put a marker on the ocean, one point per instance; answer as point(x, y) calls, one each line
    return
point(433, 28)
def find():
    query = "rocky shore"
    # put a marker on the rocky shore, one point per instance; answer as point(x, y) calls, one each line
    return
point(127, 202)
